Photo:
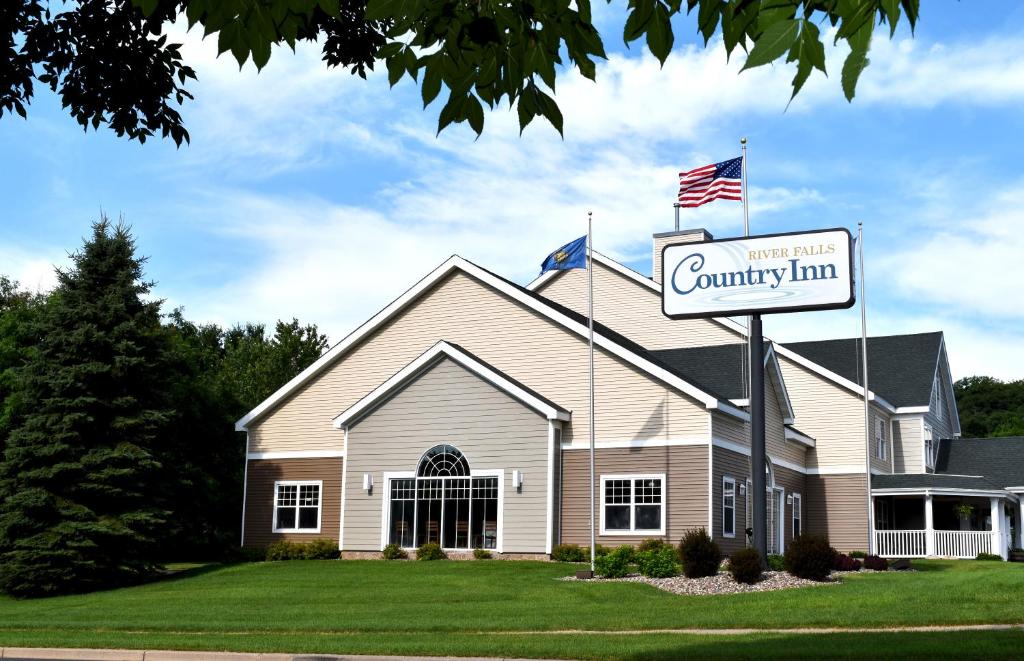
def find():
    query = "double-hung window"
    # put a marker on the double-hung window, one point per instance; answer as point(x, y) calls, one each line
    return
point(881, 444)
point(632, 504)
point(728, 507)
point(931, 448)
point(798, 503)
point(297, 506)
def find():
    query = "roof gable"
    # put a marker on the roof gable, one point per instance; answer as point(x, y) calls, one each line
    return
point(607, 340)
point(901, 368)
point(430, 359)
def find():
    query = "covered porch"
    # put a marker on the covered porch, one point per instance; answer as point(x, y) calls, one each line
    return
point(946, 516)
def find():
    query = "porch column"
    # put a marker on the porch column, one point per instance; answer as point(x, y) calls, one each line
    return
point(1020, 523)
point(929, 527)
point(998, 547)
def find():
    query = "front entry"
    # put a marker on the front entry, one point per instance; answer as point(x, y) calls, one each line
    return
point(444, 503)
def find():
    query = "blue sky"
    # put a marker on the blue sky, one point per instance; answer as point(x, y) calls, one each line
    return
point(311, 193)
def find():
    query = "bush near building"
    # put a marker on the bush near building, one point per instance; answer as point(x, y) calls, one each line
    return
point(699, 553)
point(810, 557)
point(745, 566)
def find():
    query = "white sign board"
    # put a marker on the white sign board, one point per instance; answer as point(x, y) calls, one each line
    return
point(758, 275)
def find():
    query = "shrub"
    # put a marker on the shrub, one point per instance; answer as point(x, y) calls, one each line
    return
point(284, 551)
point(776, 562)
point(568, 553)
point(481, 554)
point(843, 562)
point(394, 552)
point(321, 549)
point(988, 556)
point(810, 557)
point(601, 550)
point(652, 544)
point(857, 554)
point(660, 562)
point(430, 552)
point(616, 563)
point(875, 563)
point(745, 566)
point(699, 553)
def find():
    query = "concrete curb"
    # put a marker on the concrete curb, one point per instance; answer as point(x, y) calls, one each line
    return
point(63, 654)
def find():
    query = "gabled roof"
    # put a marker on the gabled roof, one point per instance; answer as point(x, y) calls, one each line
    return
point(604, 338)
point(431, 357)
point(999, 460)
point(901, 368)
point(721, 368)
point(728, 324)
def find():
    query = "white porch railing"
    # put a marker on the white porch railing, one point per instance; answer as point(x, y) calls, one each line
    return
point(901, 543)
point(962, 543)
point(946, 543)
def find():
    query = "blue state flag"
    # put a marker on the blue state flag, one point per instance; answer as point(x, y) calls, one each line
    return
point(572, 255)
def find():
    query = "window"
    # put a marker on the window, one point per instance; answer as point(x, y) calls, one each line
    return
point(937, 398)
point(632, 504)
point(443, 504)
point(297, 506)
point(931, 448)
point(798, 504)
point(728, 507)
point(881, 449)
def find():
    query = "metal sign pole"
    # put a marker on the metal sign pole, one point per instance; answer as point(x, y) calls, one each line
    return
point(757, 459)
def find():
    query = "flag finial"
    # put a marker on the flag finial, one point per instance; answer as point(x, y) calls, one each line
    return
point(743, 141)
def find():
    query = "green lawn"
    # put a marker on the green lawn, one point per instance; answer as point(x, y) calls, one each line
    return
point(482, 608)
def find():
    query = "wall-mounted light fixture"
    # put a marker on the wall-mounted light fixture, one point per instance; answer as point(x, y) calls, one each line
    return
point(517, 479)
point(789, 499)
point(367, 482)
point(743, 489)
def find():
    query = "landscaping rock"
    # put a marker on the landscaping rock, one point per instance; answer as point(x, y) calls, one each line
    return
point(721, 583)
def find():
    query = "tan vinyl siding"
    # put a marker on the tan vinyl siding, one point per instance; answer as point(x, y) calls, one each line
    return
point(259, 497)
point(908, 444)
point(686, 475)
point(509, 336)
point(836, 506)
point(832, 415)
point(633, 310)
point(448, 404)
point(737, 466)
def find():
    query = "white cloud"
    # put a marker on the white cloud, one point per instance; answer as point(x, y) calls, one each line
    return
point(33, 270)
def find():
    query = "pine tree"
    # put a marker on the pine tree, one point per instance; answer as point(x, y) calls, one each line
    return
point(79, 475)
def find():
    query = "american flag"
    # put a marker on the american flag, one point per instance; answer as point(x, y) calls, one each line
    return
point(711, 182)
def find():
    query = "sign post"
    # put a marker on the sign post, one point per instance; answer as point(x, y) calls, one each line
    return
point(766, 274)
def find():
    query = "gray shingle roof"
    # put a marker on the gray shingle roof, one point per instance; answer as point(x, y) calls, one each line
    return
point(715, 368)
point(901, 368)
point(933, 481)
point(1000, 460)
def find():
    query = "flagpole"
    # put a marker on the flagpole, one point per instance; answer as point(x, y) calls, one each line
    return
point(590, 328)
point(864, 367)
point(746, 232)
point(676, 205)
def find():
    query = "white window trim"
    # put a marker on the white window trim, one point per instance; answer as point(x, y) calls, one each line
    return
point(881, 442)
point(319, 507)
point(798, 514)
point(632, 513)
point(929, 456)
point(385, 519)
point(726, 480)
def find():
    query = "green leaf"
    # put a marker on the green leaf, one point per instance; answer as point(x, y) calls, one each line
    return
point(377, 10)
point(550, 110)
point(857, 60)
point(659, 34)
point(773, 43)
point(147, 6)
point(892, 14)
point(261, 54)
point(475, 114)
point(396, 68)
point(450, 113)
point(431, 83)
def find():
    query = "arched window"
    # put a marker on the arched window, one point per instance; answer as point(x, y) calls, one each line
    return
point(443, 461)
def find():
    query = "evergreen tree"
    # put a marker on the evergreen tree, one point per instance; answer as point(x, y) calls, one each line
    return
point(78, 475)
point(18, 311)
